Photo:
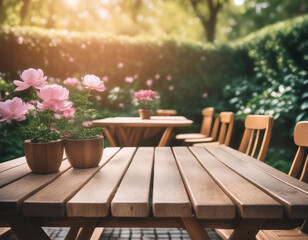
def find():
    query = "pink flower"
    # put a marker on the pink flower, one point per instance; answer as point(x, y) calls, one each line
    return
point(121, 105)
point(31, 78)
point(169, 78)
point(93, 82)
point(54, 98)
point(98, 98)
point(69, 113)
point(171, 88)
point(129, 79)
point(149, 82)
point(157, 76)
point(71, 81)
point(120, 65)
point(105, 79)
point(57, 116)
point(86, 124)
point(205, 95)
point(136, 76)
point(14, 109)
point(145, 95)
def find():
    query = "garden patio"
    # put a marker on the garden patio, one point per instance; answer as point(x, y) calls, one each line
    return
point(154, 119)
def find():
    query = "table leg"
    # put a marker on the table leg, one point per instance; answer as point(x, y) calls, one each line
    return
point(164, 139)
point(86, 232)
point(72, 234)
point(246, 229)
point(109, 137)
point(195, 228)
point(27, 229)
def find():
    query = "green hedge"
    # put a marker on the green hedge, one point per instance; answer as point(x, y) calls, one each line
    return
point(264, 73)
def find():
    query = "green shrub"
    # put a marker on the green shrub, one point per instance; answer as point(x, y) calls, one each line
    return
point(264, 73)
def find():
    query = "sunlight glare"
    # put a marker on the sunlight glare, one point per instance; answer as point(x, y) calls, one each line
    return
point(239, 2)
point(72, 2)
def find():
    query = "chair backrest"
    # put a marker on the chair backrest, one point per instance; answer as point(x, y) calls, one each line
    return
point(206, 125)
point(301, 140)
point(258, 123)
point(166, 112)
point(226, 122)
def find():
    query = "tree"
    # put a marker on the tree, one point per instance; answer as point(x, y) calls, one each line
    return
point(209, 18)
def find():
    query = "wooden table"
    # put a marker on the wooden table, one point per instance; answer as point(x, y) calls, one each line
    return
point(131, 131)
point(191, 187)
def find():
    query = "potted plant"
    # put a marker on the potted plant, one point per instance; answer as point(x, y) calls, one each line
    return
point(84, 145)
point(146, 100)
point(44, 146)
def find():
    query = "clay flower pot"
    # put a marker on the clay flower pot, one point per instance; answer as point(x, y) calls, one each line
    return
point(84, 153)
point(145, 113)
point(44, 157)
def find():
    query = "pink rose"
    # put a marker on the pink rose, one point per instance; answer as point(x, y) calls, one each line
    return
point(145, 95)
point(205, 95)
point(86, 124)
point(31, 78)
point(149, 82)
point(171, 88)
point(121, 105)
point(93, 82)
point(98, 98)
point(71, 81)
point(14, 109)
point(57, 116)
point(169, 78)
point(105, 79)
point(69, 113)
point(157, 76)
point(120, 65)
point(57, 106)
point(129, 79)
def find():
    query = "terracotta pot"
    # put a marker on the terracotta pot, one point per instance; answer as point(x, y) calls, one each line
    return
point(44, 157)
point(84, 153)
point(145, 113)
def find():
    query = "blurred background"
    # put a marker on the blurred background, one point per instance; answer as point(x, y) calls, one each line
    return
point(245, 56)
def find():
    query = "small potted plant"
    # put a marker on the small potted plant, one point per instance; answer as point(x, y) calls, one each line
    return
point(84, 145)
point(44, 147)
point(146, 100)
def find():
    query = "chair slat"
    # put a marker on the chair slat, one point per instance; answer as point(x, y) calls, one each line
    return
point(293, 200)
point(169, 195)
point(222, 133)
point(132, 197)
point(304, 175)
point(252, 132)
point(51, 200)
point(297, 162)
point(256, 143)
point(208, 200)
point(251, 201)
point(95, 197)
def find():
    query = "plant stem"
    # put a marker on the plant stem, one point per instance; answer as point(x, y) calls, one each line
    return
point(49, 117)
point(34, 98)
point(85, 107)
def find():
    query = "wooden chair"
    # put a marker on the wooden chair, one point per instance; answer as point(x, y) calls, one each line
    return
point(258, 124)
point(226, 122)
point(208, 114)
point(298, 165)
point(166, 112)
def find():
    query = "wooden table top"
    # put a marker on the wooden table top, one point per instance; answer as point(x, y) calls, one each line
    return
point(155, 121)
point(210, 183)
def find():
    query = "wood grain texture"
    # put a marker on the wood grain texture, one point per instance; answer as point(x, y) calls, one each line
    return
point(93, 200)
point(13, 195)
point(293, 200)
point(132, 197)
point(14, 174)
point(208, 200)
point(169, 195)
point(195, 228)
point(269, 170)
point(251, 202)
point(12, 163)
point(51, 200)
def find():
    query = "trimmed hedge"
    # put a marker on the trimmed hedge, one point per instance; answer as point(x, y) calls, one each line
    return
point(264, 73)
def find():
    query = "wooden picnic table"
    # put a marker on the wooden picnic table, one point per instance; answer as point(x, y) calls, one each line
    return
point(163, 187)
point(132, 131)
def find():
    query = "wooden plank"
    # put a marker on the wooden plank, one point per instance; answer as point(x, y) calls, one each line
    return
point(302, 186)
point(12, 163)
point(208, 200)
point(294, 201)
point(93, 200)
point(14, 174)
point(251, 202)
point(169, 195)
point(132, 197)
point(12, 195)
point(51, 200)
